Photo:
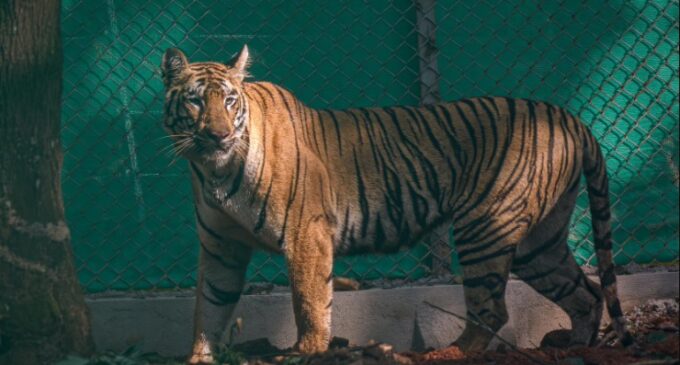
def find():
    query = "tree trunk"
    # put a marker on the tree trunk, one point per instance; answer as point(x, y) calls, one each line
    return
point(43, 315)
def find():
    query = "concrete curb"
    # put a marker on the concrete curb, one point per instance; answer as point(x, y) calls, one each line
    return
point(163, 323)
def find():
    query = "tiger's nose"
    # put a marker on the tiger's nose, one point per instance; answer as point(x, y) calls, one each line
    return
point(217, 136)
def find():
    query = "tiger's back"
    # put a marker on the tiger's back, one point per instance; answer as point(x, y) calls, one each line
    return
point(403, 171)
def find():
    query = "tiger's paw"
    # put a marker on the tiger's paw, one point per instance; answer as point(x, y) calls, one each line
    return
point(311, 345)
point(200, 359)
point(558, 338)
point(201, 354)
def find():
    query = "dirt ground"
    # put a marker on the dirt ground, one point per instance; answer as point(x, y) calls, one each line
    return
point(654, 326)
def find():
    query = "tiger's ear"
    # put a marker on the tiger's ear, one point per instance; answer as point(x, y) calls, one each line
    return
point(174, 62)
point(240, 63)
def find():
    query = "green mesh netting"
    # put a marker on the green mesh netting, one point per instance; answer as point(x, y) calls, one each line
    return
point(614, 64)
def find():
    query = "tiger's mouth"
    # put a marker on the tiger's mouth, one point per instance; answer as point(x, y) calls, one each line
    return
point(193, 147)
point(208, 152)
point(217, 153)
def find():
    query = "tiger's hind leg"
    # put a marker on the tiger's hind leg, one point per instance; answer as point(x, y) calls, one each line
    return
point(545, 262)
point(485, 270)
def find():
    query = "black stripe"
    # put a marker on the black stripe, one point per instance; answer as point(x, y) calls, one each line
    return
point(363, 201)
point(566, 289)
point(607, 278)
point(264, 147)
point(494, 132)
point(488, 187)
point(345, 229)
point(494, 282)
point(205, 227)
point(395, 121)
point(292, 191)
point(507, 250)
point(393, 197)
point(614, 309)
point(516, 171)
point(211, 300)
point(369, 133)
point(539, 275)
point(168, 104)
point(433, 139)
point(379, 239)
point(223, 296)
point(198, 173)
point(356, 125)
point(220, 259)
point(477, 246)
point(458, 153)
point(602, 214)
point(262, 216)
point(482, 133)
point(387, 138)
point(603, 244)
point(606, 238)
point(536, 275)
point(312, 129)
point(594, 192)
point(337, 129)
point(410, 166)
point(430, 172)
point(323, 136)
point(236, 182)
point(556, 239)
point(420, 206)
point(470, 129)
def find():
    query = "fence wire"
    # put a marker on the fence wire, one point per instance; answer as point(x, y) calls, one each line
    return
point(129, 206)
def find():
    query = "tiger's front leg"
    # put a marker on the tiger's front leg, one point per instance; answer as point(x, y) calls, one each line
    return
point(309, 258)
point(221, 277)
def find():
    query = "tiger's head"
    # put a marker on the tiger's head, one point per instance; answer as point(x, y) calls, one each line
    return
point(206, 110)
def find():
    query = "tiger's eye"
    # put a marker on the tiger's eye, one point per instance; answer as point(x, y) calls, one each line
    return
point(229, 101)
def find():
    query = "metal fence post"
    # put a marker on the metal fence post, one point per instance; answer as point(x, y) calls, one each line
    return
point(426, 26)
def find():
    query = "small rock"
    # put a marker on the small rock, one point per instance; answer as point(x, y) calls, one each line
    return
point(378, 351)
point(338, 343)
point(668, 326)
point(345, 284)
point(258, 288)
point(401, 359)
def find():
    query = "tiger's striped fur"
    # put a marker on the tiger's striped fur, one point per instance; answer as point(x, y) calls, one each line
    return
point(269, 172)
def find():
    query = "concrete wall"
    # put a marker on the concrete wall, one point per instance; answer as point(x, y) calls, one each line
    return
point(163, 323)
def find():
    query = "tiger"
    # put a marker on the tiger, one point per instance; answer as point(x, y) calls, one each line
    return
point(269, 172)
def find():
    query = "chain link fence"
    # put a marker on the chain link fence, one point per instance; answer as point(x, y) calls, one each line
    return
point(129, 205)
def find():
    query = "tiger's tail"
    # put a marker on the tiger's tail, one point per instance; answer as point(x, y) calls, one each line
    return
point(595, 171)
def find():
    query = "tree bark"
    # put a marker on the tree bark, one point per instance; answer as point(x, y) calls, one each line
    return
point(43, 316)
